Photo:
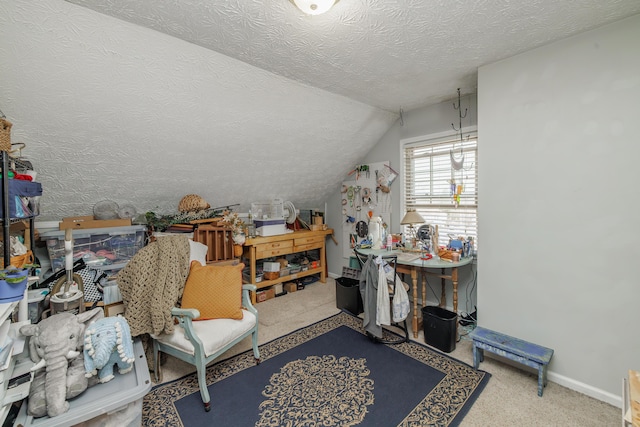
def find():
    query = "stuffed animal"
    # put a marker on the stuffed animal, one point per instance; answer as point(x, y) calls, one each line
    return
point(56, 343)
point(108, 342)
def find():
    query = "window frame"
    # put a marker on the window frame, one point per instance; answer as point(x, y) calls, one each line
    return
point(434, 139)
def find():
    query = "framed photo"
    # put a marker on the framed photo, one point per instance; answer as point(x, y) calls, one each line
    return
point(114, 309)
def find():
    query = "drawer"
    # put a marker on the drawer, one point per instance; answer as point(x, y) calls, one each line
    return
point(308, 247)
point(282, 244)
point(267, 253)
point(309, 239)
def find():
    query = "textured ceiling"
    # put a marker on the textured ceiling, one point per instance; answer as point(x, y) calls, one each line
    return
point(388, 54)
point(142, 102)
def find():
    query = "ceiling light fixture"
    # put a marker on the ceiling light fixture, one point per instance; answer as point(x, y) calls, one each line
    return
point(314, 7)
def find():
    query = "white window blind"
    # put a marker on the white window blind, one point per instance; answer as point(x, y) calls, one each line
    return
point(431, 184)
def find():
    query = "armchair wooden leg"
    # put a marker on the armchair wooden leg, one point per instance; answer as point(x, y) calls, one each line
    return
point(157, 373)
point(204, 391)
point(256, 350)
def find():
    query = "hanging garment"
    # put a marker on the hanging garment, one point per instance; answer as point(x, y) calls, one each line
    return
point(383, 311)
point(369, 290)
point(369, 293)
point(401, 306)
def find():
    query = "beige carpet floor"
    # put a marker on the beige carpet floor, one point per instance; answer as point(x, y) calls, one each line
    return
point(509, 399)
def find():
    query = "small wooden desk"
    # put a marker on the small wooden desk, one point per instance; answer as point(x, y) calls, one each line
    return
point(284, 244)
point(413, 267)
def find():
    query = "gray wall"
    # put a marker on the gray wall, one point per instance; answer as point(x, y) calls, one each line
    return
point(434, 119)
point(558, 157)
point(558, 160)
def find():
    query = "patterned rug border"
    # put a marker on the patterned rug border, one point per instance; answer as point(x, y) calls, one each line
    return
point(158, 407)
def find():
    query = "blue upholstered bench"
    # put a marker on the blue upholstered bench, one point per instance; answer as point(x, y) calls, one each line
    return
point(533, 355)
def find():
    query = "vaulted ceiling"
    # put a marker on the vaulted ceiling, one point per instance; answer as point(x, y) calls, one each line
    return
point(388, 54)
point(142, 102)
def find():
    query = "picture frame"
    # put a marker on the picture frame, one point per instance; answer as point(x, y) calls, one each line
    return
point(114, 309)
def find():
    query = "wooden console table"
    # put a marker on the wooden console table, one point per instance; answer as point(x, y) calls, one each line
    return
point(284, 244)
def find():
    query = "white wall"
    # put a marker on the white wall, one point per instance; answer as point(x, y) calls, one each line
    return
point(434, 119)
point(558, 156)
point(112, 110)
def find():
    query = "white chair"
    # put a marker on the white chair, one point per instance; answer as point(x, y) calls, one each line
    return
point(201, 342)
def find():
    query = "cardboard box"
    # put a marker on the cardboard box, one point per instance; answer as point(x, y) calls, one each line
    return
point(318, 227)
point(265, 294)
point(82, 222)
point(290, 287)
point(279, 289)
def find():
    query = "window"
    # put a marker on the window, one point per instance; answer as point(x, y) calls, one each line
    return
point(431, 184)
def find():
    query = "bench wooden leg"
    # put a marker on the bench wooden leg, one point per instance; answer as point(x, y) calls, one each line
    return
point(542, 378)
point(478, 356)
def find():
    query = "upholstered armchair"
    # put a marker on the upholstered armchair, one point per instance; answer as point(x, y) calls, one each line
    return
point(215, 314)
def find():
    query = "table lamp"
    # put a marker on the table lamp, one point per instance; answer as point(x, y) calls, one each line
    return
point(410, 218)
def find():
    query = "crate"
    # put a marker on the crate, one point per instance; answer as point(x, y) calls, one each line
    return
point(351, 273)
point(219, 240)
point(117, 402)
point(110, 247)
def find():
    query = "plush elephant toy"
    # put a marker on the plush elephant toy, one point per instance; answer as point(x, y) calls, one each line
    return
point(56, 344)
point(108, 342)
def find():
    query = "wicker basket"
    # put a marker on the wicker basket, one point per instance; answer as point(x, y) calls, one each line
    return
point(5, 134)
point(192, 203)
point(20, 260)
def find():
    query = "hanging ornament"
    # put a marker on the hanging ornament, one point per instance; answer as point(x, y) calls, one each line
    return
point(458, 164)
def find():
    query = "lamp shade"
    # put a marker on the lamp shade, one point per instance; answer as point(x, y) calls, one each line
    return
point(314, 7)
point(412, 217)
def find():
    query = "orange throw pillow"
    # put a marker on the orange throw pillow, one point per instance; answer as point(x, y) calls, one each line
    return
point(215, 291)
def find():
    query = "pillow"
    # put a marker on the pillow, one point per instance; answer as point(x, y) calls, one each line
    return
point(198, 252)
point(215, 291)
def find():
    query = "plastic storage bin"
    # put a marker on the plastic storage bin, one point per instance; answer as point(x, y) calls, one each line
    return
point(117, 402)
point(36, 303)
point(348, 295)
point(104, 248)
point(22, 198)
point(440, 328)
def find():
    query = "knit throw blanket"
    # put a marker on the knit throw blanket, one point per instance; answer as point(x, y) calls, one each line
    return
point(152, 282)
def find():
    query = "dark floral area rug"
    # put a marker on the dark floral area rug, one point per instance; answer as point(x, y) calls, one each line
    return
point(326, 374)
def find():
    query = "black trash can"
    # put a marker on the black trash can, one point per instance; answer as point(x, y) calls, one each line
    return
point(440, 328)
point(348, 295)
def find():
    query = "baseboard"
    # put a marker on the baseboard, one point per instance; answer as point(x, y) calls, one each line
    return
point(569, 383)
point(585, 389)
